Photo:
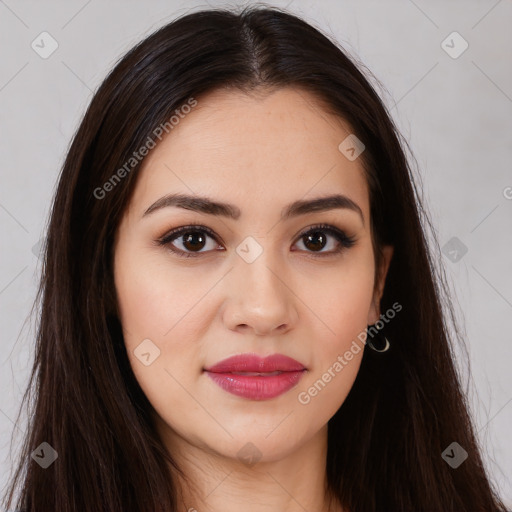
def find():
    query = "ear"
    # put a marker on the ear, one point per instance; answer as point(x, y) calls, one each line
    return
point(374, 312)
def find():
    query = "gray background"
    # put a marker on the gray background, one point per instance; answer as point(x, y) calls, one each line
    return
point(456, 114)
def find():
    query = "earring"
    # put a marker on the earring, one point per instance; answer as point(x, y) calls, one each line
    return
point(383, 342)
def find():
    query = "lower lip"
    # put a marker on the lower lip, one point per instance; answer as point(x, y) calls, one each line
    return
point(256, 387)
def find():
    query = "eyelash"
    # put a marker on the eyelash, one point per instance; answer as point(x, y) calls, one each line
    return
point(345, 241)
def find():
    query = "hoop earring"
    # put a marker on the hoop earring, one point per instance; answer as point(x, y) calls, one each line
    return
point(383, 340)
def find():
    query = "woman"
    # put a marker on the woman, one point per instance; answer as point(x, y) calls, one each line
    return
point(238, 305)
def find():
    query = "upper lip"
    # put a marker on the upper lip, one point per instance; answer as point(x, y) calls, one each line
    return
point(255, 363)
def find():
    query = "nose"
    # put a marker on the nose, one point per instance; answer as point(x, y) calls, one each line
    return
point(260, 299)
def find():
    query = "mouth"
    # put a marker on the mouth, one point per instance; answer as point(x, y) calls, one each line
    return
point(255, 378)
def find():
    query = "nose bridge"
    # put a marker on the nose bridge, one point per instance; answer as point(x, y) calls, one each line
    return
point(260, 298)
point(261, 271)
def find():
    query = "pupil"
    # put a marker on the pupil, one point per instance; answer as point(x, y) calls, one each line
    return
point(192, 243)
point(313, 238)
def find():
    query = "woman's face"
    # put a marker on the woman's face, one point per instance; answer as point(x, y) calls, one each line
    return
point(260, 279)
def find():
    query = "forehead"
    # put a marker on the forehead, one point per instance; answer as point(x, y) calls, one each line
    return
point(272, 147)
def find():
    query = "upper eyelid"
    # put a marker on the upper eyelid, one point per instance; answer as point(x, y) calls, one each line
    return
point(191, 227)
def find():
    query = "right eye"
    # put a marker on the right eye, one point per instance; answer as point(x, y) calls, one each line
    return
point(191, 238)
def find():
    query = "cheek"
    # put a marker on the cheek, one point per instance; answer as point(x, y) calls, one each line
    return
point(157, 315)
point(346, 302)
point(153, 304)
point(342, 302)
point(155, 299)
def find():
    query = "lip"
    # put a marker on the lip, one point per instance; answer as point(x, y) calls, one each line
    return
point(255, 363)
point(238, 375)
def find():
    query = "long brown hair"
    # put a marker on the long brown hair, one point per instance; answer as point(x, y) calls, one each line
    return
point(405, 407)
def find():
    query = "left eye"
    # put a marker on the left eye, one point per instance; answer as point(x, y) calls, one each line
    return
point(194, 239)
point(315, 239)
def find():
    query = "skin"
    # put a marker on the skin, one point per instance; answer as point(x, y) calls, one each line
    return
point(260, 153)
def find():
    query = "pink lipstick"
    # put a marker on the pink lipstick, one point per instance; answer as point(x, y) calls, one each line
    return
point(256, 378)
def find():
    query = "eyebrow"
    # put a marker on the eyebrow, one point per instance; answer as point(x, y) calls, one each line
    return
point(207, 206)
